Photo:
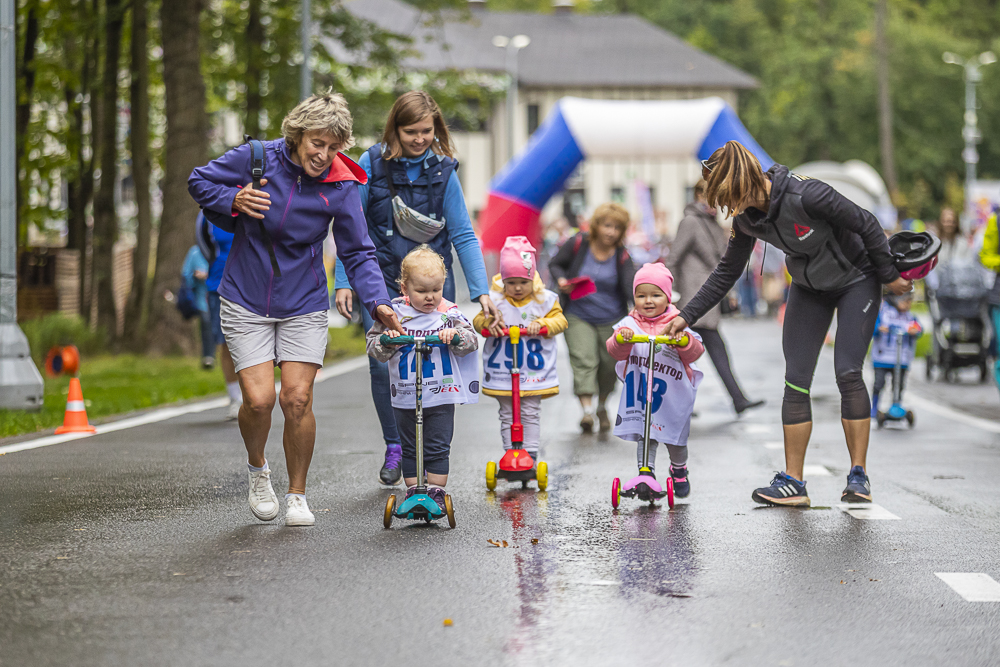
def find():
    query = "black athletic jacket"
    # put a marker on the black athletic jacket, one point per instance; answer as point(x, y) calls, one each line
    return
point(829, 241)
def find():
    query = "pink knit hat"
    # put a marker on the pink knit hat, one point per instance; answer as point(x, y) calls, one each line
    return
point(517, 258)
point(655, 274)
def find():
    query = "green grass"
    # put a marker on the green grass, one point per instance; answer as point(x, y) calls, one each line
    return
point(116, 384)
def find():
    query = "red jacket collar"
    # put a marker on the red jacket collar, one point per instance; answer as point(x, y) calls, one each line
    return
point(345, 169)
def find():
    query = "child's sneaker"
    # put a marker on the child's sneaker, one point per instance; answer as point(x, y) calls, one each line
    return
point(682, 487)
point(784, 490)
point(859, 489)
point(392, 471)
point(437, 495)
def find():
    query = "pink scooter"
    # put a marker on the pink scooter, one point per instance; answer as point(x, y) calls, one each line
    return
point(644, 486)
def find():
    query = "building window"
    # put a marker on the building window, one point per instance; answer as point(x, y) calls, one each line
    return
point(532, 118)
point(618, 194)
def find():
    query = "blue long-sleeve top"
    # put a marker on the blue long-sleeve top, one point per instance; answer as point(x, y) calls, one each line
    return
point(460, 231)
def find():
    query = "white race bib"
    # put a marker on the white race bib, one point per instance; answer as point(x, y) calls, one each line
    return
point(447, 378)
point(673, 392)
point(538, 355)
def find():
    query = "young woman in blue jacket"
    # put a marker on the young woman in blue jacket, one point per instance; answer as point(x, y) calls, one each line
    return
point(280, 316)
point(415, 161)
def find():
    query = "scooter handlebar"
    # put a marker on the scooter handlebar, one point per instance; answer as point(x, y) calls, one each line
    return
point(410, 340)
point(544, 331)
point(663, 340)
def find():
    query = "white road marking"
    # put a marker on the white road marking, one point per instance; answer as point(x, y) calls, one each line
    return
point(973, 586)
point(868, 512)
point(169, 413)
point(774, 445)
point(757, 428)
point(816, 471)
point(951, 413)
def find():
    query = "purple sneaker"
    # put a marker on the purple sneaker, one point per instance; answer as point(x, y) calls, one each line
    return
point(392, 471)
point(409, 492)
point(437, 494)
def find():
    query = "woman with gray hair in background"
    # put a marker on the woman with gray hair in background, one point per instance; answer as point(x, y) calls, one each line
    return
point(274, 292)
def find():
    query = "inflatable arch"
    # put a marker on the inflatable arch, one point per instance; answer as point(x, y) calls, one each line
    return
point(578, 129)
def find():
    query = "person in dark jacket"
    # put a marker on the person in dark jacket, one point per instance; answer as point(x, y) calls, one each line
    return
point(415, 161)
point(599, 255)
point(281, 317)
point(838, 257)
point(694, 253)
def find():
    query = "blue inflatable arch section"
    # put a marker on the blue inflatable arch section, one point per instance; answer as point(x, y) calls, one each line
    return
point(578, 129)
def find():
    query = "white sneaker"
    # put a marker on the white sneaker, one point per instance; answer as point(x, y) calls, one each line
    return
point(234, 410)
point(263, 502)
point(297, 512)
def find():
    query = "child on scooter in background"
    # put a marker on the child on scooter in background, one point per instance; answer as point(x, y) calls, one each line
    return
point(675, 380)
point(449, 379)
point(895, 312)
point(522, 299)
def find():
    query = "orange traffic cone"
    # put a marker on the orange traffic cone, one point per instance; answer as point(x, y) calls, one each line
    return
point(76, 412)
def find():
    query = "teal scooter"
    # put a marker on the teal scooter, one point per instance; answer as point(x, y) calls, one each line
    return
point(896, 412)
point(419, 506)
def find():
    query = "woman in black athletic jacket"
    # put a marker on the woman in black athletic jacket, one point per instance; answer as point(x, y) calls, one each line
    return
point(839, 259)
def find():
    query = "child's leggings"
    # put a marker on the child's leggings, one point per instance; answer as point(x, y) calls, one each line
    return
point(439, 427)
point(880, 376)
point(678, 454)
point(531, 411)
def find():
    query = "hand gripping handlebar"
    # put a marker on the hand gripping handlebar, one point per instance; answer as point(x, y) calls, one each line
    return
point(515, 333)
point(410, 340)
point(663, 340)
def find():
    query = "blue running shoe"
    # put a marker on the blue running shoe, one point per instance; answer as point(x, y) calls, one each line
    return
point(859, 489)
point(392, 470)
point(784, 490)
point(682, 487)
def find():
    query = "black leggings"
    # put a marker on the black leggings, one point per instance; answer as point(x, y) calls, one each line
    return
point(715, 345)
point(807, 320)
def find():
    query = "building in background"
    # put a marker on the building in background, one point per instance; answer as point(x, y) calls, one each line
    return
point(618, 57)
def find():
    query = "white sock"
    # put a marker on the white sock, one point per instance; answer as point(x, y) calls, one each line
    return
point(253, 469)
point(300, 495)
point(233, 389)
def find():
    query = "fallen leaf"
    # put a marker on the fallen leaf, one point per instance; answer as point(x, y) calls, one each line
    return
point(873, 580)
point(504, 543)
point(447, 623)
point(240, 552)
point(62, 557)
point(850, 570)
point(841, 581)
point(321, 510)
point(184, 574)
point(496, 544)
point(534, 540)
point(79, 529)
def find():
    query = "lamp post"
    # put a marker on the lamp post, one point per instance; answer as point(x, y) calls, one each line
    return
point(970, 132)
point(20, 382)
point(305, 34)
point(511, 45)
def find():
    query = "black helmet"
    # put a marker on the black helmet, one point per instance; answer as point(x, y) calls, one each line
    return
point(914, 253)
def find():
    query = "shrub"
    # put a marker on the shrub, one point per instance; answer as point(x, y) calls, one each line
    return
point(46, 332)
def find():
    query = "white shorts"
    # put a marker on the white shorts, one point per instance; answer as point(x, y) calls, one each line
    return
point(254, 339)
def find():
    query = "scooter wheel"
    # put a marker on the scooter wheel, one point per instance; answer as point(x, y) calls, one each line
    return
point(449, 509)
point(390, 507)
point(542, 475)
point(670, 491)
point(491, 475)
point(616, 495)
point(910, 419)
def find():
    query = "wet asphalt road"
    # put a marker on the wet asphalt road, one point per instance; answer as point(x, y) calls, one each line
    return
point(137, 547)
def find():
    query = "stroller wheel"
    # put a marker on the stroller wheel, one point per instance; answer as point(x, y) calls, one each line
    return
point(929, 367)
point(984, 372)
point(880, 419)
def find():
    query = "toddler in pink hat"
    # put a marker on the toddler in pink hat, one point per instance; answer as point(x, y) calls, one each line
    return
point(675, 380)
point(521, 297)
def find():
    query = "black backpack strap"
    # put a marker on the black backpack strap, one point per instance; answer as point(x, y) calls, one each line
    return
point(257, 173)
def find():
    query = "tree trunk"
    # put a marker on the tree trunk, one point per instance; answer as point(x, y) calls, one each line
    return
point(26, 73)
point(187, 130)
point(92, 89)
point(255, 38)
point(135, 310)
point(105, 216)
point(884, 98)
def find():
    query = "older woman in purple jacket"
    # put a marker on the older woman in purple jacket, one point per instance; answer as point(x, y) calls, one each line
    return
point(273, 289)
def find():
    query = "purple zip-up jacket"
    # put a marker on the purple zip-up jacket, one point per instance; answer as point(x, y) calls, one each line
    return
point(298, 219)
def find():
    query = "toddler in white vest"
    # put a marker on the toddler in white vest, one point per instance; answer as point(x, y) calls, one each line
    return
point(522, 299)
point(450, 374)
point(675, 377)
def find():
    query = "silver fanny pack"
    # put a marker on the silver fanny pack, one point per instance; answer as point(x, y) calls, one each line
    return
point(412, 224)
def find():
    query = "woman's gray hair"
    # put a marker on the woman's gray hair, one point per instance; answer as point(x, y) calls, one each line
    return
point(327, 112)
